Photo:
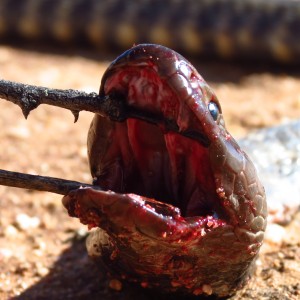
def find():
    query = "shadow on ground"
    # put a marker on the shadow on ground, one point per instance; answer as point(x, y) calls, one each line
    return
point(75, 276)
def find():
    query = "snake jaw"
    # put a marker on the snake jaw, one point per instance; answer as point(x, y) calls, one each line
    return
point(171, 168)
point(156, 164)
point(202, 218)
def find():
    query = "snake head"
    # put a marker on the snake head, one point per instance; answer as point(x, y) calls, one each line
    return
point(183, 211)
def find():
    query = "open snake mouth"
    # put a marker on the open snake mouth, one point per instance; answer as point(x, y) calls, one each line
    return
point(147, 160)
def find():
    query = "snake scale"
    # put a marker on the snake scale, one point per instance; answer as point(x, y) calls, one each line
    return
point(270, 29)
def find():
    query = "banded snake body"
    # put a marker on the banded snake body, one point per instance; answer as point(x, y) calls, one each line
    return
point(249, 29)
point(285, 50)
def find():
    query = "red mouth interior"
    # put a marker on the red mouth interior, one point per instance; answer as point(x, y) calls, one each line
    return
point(166, 166)
point(172, 169)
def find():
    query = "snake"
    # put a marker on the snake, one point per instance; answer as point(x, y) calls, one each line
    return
point(255, 30)
point(266, 30)
point(182, 212)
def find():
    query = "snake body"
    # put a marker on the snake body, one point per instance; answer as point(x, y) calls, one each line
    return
point(252, 29)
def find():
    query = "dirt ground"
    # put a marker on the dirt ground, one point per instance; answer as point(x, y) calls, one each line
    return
point(42, 253)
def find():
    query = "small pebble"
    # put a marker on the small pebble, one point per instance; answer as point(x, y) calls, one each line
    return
point(38, 252)
point(39, 244)
point(5, 253)
point(23, 285)
point(275, 233)
point(42, 271)
point(278, 265)
point(10, 231)
point(25, 222)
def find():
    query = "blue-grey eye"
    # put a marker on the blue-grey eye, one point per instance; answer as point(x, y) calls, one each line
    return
point(214, 110)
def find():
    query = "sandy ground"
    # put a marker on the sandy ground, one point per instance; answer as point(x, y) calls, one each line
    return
point(42, 253)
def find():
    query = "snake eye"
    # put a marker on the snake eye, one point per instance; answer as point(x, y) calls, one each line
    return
point(214, 110)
